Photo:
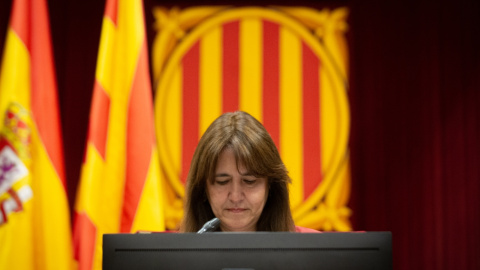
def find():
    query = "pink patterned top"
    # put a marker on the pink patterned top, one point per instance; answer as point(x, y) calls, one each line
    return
point(305, 230)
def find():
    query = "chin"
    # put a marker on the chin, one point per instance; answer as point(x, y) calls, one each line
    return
point(237, 228)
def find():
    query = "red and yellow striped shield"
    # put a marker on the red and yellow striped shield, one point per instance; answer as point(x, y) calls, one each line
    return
point(285, 66)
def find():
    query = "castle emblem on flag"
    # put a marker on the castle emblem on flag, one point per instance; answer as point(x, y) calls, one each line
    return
point(14, 152)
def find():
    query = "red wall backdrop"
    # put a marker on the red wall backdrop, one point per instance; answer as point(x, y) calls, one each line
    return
point(415, 106)
point(415, 142)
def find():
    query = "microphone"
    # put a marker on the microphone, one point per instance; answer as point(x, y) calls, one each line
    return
point(210, 226)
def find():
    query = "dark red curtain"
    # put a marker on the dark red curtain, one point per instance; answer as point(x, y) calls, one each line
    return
point(415, 108)
point(415, 100)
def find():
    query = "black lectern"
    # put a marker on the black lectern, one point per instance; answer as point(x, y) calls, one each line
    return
point(261, 250)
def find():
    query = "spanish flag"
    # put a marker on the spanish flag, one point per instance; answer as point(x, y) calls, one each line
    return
point(34, 220)
point(119, 190)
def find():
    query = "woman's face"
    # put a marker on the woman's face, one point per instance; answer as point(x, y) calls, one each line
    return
point(236, 196)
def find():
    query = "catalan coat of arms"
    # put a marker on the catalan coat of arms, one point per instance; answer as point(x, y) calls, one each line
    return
point(285, 66)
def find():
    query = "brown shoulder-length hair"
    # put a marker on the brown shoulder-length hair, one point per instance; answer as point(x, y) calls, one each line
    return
point(255, 149)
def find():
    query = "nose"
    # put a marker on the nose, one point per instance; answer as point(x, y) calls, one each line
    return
point(236, 192)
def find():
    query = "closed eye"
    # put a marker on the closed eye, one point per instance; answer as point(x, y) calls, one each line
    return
point(249, 182)
point(221, 183)
point(222, 180)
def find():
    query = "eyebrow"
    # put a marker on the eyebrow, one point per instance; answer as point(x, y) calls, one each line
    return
point(222, 175)
point(228, 175)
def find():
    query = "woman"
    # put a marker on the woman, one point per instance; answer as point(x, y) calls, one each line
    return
point(237, 175)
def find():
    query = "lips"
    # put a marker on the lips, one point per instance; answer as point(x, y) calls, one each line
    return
point(236, 210)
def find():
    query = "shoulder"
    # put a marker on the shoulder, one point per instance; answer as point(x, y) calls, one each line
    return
point(305, 230)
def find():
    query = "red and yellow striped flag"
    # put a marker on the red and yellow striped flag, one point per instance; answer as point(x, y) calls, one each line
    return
point(119, 188)
point(34, 221)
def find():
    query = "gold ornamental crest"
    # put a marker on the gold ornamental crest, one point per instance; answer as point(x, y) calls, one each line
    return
point(285, 66)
